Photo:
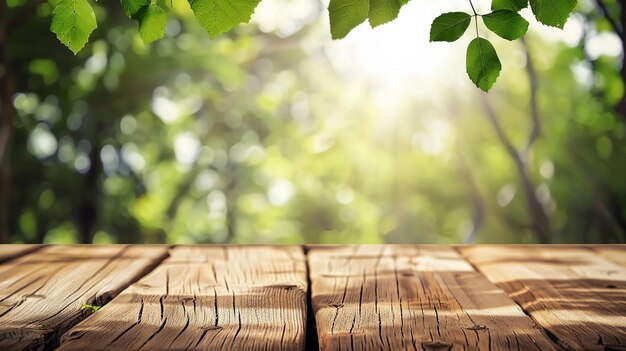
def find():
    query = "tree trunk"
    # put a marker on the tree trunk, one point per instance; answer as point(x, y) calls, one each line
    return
point(621, 106)
point(6, 127)
point(231, 206)
point(540, 223)
point(88, 210)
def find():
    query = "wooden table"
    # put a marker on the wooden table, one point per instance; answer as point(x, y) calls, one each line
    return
point(372, 297)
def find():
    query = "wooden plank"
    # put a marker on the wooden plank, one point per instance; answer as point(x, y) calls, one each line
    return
point(206, 298)
point(576, 294)
point(615, 253)
point(10, 251)
point(412, 298)
point(41, 294)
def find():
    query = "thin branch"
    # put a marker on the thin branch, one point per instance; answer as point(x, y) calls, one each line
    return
point(540, 221)
point(473, 9)
point(467, 175)
point(613, 211)
point(504, 139)
point(534, 107)
point(475, 18)
point(604, 11)
point(477, 200)
point(184, 188)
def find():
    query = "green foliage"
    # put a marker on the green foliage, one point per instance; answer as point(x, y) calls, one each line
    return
point(92, 308)
point(449, 26)
point(72, 22)
point(360, 172)
point(345, 15)
point(132, 6)
point(552, 12)
point(513, 5)
point(152, 20)
point(483, 64)
point(383, 11)
point(219, 16)
point(506, 24)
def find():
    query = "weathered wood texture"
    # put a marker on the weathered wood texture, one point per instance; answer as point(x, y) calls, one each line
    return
point(10, 251)
point(206, 298)
point(41, 294)
point(412, 298)
point(576, 294)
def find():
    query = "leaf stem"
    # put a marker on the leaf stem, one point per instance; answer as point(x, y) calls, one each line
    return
point(473, 9)
point(475, 18)
point(476, 24)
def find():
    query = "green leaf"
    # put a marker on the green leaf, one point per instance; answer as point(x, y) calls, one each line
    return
point(93, 308)
point(483, 64)
point(449, 26)
point(383, 11)
point(219, 16)
point(152, 20)
point(345, 15)
point(507, 24)
point(132, 6)
point(552, 12)
point(513, 5)
point(72, 22)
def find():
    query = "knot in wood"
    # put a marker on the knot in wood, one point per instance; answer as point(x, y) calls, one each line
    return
point(75, 334)
point(437, 345)
point(211, 327)
point(477, 327)
point(283, 286)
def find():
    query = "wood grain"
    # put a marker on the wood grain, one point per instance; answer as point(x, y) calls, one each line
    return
point(578, 295)
point(206, 298)
point(41, 294)
point(412, 298)
point(10, 251)
point(615, 253)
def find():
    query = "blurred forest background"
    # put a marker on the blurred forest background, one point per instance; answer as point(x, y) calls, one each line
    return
point(274, 133)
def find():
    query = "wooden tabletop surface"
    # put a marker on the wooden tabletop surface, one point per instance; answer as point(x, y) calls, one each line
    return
point(348, 297)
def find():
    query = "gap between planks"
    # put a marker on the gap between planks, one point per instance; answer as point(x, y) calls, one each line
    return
point(413, 298)
point(604, 259)
point(36, 307)
point(611, 253)
point(207, 297)
point(312, 340)
point(528, 336)
point(577, 293)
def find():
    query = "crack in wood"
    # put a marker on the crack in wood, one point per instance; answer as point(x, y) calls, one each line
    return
point(61, 279)
point(223, 298)
point(357, 297)
point(429, 293)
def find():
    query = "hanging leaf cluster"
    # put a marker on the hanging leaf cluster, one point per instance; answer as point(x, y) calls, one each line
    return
point(73, 21)
point(482, 63)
